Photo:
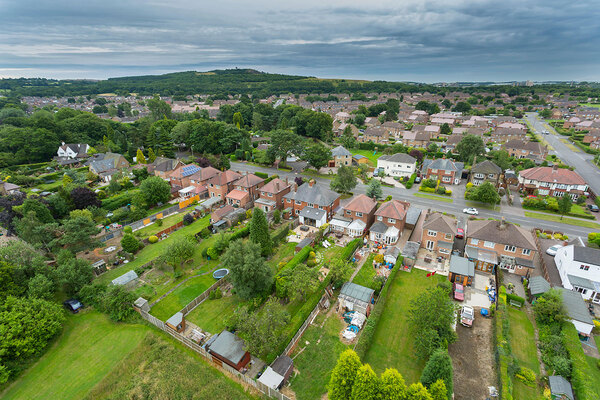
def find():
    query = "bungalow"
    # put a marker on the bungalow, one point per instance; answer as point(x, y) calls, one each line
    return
point(356, 217)
point(105, 165)
point(271, 195)
point(552, 181)
point(399, 164)
point(229, 349)
point(579, 270)
point(462, 270)
point(439, 231)
point(313, 203)
point(390, 219)
point(445, 170)
point(485, 171)
point(341, 156)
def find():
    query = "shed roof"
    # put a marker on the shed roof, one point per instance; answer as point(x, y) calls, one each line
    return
point(125, 278)
point(575, 306)
point(228, 346)
point(271, 378)
point(560, 386)
point(462, 266)
point(175, 319)
point(538, 285)
point(357, 292)
point(282, 364)
point(411, 249)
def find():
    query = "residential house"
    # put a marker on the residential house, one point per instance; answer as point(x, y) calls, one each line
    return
point(439, 231)
point(571, 122)
point(162, 167)
point(222, 183)
point(579, 270)
point(418, 117)
point(356, 216)
point(485, 171)
point(178, 176)
point(492, 243)
point(503, 135)
point(434, 131)
point(512, 125)
point(452, 141)
point(416, 139)
point(271, 195)
point(342, 116)
point(445, 170)
point(312, 203)
point(201, 177)
point(390, 220)
point(394, 128)
point(376, 134)
point(552, 181)
point(525, 149)
point(399, 164)
point(105, 165)
point(341, 156)
point(587, 125)
point(250, 183)
point(577, 311)
point(227, 348)
point(73, 151)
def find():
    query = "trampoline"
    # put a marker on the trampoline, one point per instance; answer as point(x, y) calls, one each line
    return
point(220, 273)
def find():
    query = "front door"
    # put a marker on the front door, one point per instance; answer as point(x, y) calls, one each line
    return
point(430, 244)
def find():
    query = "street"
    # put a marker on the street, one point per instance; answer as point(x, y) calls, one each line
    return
point(511, 214)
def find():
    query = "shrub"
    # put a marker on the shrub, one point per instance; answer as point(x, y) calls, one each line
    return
point(411, 181)
point(130, 244)
point(426, 189)
point(526, 376)
point(441, 190)
point(300, 257)
point(152, 239)
point(389, 198)
point(212, 253)
point(128, 229)
point(263, 175)
point(159, 222)
point(513, 297)
point(188, 219)
point(240, 233)
point(350, 249)
point(205, 233)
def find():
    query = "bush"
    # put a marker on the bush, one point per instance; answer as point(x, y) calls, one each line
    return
point(159, 222)
point(300, 257)
point(128, 229)
point(188, 219)
point(526, 376)
point(426, 189)
point(205, 233)
point(513, 297)
point(441, 190)
point(411, 181)
point(240, 233)
point(263, 175)
point(130, 244)
point(152, 239)
point(350, 249)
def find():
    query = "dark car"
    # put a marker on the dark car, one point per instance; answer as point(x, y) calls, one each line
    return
point(418, 179)
point(593, 208)
point(73, 305)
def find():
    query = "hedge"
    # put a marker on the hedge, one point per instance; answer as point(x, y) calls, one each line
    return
point(513, 297)
point(240, 233)
point(503, 351)
point(300, 257)
point(580, 375)
point(279, 236)
point(411, 181)
point(269, 179)
point(117, 201)
point(350, 249)
point(263, 175)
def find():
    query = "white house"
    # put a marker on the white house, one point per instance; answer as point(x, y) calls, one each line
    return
point(72, 151)
point(399, 164)
point(579, 269)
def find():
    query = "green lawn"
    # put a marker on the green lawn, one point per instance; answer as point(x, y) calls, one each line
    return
point(565, 220)
point(285, 252)
point(365, 277)
point(392, 345)
point(152, 251)
point(181, 296)
point(433, 197)
point(317, 360)
point(88, 349)
point(523, 340)
point(315, 174)
point(211, 314)
point(369, 154)
point(597, 105)
point(154, 228)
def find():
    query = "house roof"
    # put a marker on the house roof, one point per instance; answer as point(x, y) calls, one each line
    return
point(560, 386)
point(204, 173)
point(444, 164)
point(228, 346)
point(376, 131)
point(248, 180)
point(378, 227)
point(224, 178)
point(462, 266)
point(553, 175)
point(586, 255)
point(534, 147)
point(275, 186)
point(399, 158)
point(340, 151)
point(237, 194)
point(392, 209)
point(315, 194)
point(410, 250)
point(358, 292)
point(501, 232)
point(282, 364)
point(187, 170)
point(575, 306)
point(486, 167)
point(581, 282)
point(361, 203)
point(412, 215)
point(538, 285)
point(219, 213)
point(440, 223)
point(312, 213)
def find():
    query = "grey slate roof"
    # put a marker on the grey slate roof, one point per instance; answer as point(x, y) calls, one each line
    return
point(410, 250)
point(315, 194)
point(440, 223)
point(586, 255)
point(575, 306)
point(503, 233)
point(412, 215)
point(312, 213)
point(228, 346)
point(282, 364)
point(538, 285)
point(486, 167)
point(357, 292)
point(445, 164)
point(462, 266)
point(378, 227)
point(580, 282)
point(340, 151)
point(560, 386)
point(399, 158)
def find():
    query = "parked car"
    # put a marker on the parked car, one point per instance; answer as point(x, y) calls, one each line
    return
point(471, 211)
point(467, 315)
point(418, 179)
point(460, 233)
point(552, 250)
point(593, 208)
point(459, 291)
point(73, 305)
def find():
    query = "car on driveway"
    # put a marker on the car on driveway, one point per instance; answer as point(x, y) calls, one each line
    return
point(73, 305)
point(471, 211)
point(460, 233)
point(459, 291)
point(593, 208)
point(553, 249)
point(467, 315)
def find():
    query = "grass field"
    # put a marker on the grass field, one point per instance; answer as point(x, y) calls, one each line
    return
point(154, 228)
point(525, 351)
point(285, 252)
point(365, 277)
point(181, 296)
point(369, 154)
point(392, 343)
point(90, 346)
point(433, 197)
point(597, 105)
point(210, 315)
point(318, 358)
point(565, 220)
point(570, 145)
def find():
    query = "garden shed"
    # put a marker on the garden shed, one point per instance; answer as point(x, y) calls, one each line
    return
point(307, 241)
point(125, 279)
point(271, 379)
point(391, 255)
point(284, 366)
point(410, 253)
point(577, 311)
point(229, 349)
point(356, 297)
point(177, 322)
point(462, 270)
point(560, 388)
point(537, 286)
point(142, 304)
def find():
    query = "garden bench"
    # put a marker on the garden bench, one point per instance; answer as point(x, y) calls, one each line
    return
point(515, 303)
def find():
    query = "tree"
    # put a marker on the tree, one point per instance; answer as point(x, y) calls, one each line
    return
point(9, 281)
point(359, 119)
point(117, 303)
point(469, 147)
point(262, 330)
point(317, 155)
point(366, 384)
point(392, 386)
point(439, 366)
point(339, 271)
point(486, 193)
point(159, 109)
point(374, 189)
point(249, 273)
point(179, 251)
point(77, 234)
point(276, 216)
point(502, 159)
point(564, 205)
point(438, 391)
point(417, 391)
point(42, 213)
point(84, 197)
point(343, 376)
point(344, 181)
point(462, 106)
point(151, 155)
point(259, 231)
point(130, 244)
point(284, 143)
point(432, 315)
point(155, 190)
point(74, 274)
point(347, 139)
point(304, 280)
point(139, 157)
point(445, 129)
point(238, 120)
point(418, 154)
point(548, 308)
point(41, 287)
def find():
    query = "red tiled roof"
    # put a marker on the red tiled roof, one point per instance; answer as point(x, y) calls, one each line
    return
point(392, 209)
point(552, 175)
point(361, 203)
point(237, 194)
point(275, 186)
point(248, 180)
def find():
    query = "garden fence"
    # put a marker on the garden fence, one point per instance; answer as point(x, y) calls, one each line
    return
point(196, 302)
point(305, 325)
point(542, 262)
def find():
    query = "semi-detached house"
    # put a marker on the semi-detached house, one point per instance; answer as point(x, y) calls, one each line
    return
point(312, 203)
point(552, 181)
point(439, 231)
point(579, 270)
point(448, 172)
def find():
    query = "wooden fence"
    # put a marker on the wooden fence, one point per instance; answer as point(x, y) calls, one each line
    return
point(303, 328)
point(194, 303)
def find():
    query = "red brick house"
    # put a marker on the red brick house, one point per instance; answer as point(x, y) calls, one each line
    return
point(251, 184)
point(526, 149)
point(389, 223)
point(447, 171)
point(312, 203)
point(552, 181)
point(356, 216)
point(271, 195)
point(439, 231)
point(221, 184)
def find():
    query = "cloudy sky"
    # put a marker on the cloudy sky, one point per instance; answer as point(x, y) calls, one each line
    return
point(401, 40)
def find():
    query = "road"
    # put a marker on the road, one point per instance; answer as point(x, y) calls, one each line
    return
point(512, 214)
point(581, 161)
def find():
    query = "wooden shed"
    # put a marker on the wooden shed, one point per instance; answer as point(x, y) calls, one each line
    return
point(229, 349)
point(284, 366)
point(461, 270)
point(177, 322)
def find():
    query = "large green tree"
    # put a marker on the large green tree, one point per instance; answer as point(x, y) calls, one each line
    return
point(374, 189)
point(469, 147)
point(77, 234)
point(344, 181)
point(439, 366)
point(74, 274)
point(392, 386)
point(304, 281)
point(284, 143)
point(366, 384)
point(343, 376)
point(317, 155)
point(564, 205)
point(179, 251)
point(249, 273)
point(259, 231)
point(155, 190)
point(486, 193)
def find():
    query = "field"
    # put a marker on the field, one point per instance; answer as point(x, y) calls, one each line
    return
point(315, 360)
point(597, 105)
point(433, 197)
point(181, 296)
point(392, 345)
point(524, 350)
point(565, 220)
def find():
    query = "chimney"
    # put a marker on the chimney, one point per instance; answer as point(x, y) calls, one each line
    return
point(277, 187)
point(554, 168)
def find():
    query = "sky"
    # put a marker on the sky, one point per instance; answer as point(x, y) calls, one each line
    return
point(401, 40)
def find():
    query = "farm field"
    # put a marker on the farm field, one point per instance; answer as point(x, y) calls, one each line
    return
point(391, 346)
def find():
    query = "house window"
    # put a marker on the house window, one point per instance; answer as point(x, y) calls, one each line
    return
point(359, 214)
point(432, 233)
point(348, 212)
point(489, 244)
point(448, 236)
point(270, 194)
point(447, 179)
point(479, 176)
point(379, 218)
point(310, 204)
point(491, 176)
point(391, 220)
point(510, 248)
point(434, 171)
point(580, 290)
point(526, 252)
point(585, 267)
point(474, 242)
point(430, 244)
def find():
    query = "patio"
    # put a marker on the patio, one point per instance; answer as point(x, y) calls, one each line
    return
point(428, 260)
point(301, 232)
